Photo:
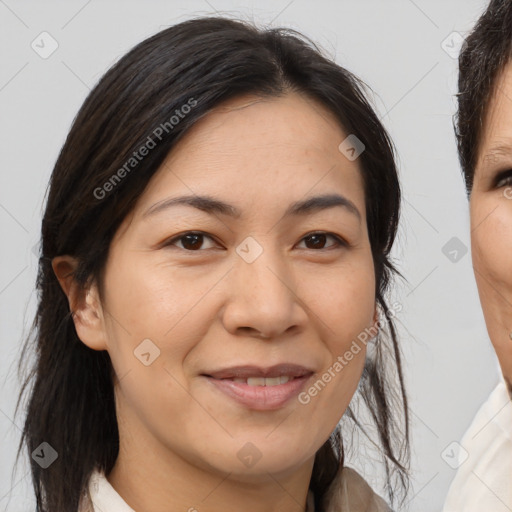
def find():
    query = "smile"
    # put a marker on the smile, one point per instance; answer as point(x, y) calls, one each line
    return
point(260, 393)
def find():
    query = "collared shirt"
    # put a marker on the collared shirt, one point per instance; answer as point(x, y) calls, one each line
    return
point(483, 482)
point(349, 492)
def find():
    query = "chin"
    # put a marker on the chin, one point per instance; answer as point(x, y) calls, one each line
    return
point(253, 461)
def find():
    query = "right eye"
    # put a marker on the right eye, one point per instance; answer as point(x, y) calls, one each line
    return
point(191, 241)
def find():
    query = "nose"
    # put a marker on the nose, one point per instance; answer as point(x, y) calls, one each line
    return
point(262, 298)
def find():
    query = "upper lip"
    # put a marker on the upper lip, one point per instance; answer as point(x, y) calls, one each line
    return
point(246, 371)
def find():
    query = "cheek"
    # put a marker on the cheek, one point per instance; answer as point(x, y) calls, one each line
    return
point(151, 299)
point(491, 242)
point(344, 297)
point(153, 324)
point(343, 300)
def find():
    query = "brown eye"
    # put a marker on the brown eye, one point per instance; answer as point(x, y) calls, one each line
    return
point(191, 241)
point(318, 240)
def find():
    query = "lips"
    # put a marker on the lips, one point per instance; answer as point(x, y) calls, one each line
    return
point(260, 388)
point(249, 371)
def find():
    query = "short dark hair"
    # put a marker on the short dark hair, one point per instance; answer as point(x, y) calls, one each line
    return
point(203, 62)
point(484, 54)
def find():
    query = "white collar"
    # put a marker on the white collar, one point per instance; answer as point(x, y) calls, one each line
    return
point(104, 497)
point(484, 475)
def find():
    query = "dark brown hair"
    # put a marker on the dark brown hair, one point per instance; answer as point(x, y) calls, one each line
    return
point(210, 60)
point(484, 54)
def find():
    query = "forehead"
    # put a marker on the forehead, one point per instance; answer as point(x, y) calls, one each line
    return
point(306, 121)
point(496, 139)
point(253, 146)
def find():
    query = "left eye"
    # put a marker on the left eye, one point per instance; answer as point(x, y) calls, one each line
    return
point(504, 179)
point(317, 240)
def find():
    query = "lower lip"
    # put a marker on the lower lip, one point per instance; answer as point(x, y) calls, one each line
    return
point(261, 398)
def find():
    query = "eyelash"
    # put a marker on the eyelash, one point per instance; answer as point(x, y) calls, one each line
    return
point(503, 179)
point(339, 241)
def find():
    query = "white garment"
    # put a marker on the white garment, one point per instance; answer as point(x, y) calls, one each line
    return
point(104, 497)
point(483, 482)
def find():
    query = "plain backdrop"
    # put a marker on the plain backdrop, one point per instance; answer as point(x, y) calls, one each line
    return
point(404, 50)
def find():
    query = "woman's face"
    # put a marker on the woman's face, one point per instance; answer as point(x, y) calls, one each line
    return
point(183, 313)
point(491, 221)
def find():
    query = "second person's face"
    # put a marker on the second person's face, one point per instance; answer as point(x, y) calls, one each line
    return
point(491, 221)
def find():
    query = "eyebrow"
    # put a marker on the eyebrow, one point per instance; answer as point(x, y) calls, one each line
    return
point(503, 149)
point(212, 205)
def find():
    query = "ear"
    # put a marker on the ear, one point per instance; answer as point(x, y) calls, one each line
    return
point(375, 323)
point(84, 303)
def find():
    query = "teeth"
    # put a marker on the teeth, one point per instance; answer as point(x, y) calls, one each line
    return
point(262, 381)
point(256, 381)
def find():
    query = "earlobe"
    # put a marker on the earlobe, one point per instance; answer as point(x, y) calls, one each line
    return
point(84, 303)
point(375, 326)
point(376, 317)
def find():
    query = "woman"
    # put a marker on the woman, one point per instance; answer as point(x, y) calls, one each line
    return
point(215, 253)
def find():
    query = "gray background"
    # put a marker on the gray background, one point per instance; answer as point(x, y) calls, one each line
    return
point(396, 47)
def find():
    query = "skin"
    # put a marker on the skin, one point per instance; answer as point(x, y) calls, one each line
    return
point(205, 309)
point(491, 221)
